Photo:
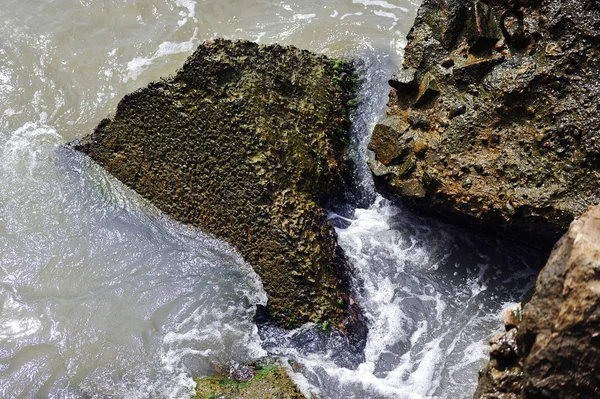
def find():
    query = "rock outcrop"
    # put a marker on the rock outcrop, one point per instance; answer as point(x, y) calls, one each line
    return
point(553, 348)
point(249, 143)
point(493, 118)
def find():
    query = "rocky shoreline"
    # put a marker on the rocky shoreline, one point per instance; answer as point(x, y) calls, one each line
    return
point(492, 122)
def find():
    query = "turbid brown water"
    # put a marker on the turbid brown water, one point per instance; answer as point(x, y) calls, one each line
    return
point(101, 296)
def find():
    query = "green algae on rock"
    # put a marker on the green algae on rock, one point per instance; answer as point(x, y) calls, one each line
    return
point(247, 142)
point(493, 119)
point(262, 379)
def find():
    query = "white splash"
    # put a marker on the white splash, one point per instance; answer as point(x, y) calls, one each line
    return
point(298, 17)
point(379, 3)
point(28, 147)
point(138, 65)
point(190, 6)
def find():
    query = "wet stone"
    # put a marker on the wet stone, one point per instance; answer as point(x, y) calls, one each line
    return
point(448, 63)
point(249, 143)
point(482, 31)
point(457, 110)
point(514, 97)
point(428, 89)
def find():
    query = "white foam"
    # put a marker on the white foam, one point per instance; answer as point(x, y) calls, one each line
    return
point(190, 6)
point(138, 65)
point(298, 17)
point(414, 338)
point(10, 112)
point(387, 15)
point(28, 147)
point(422, 380)
point(475, 352)
point(379, 3)
point(357, 14)
point(5, 79)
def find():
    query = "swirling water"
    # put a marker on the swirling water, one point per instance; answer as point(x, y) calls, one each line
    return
point(102, 296)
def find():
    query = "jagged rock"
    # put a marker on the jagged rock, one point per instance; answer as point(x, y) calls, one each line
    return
point(556, 353)
point(249, 143)
point(482, 30)
point(511, 122)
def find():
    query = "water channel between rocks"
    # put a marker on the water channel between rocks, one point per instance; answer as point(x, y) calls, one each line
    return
point(101, 296)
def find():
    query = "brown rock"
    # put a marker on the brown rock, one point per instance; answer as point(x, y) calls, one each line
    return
point(561, 323)
point(557, 343)
point(512, 316)
point(520, 102)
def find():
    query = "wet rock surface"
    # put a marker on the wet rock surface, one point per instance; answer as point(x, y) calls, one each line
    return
point(493, 117)
point(265, 378)
point(555, 350)
point(502, 378)
point(249, 143)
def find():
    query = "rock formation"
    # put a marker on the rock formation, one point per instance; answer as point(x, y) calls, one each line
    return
point(493, 118)
point(552, 349)
point(249, 143)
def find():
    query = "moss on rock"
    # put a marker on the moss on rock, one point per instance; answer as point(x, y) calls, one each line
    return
point(249, 143)
point(269, 380)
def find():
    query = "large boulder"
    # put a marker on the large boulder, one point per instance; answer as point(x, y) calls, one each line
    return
point(554, 351)
point(249, 143)
point(493, 118)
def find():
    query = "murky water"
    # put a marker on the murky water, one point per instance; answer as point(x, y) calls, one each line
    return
point(101, 296)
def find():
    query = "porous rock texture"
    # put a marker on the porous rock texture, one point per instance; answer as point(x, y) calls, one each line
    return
point(493, 119)
point(249, 143)
point(554, 352)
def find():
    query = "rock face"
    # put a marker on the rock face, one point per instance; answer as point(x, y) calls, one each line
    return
point(555, 350)
point(249, 143)
point(493, 118)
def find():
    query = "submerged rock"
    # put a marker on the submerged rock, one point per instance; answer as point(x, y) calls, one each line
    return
point(249, 143)
point(554, 352)
point(266, 378)
point(496, 109)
